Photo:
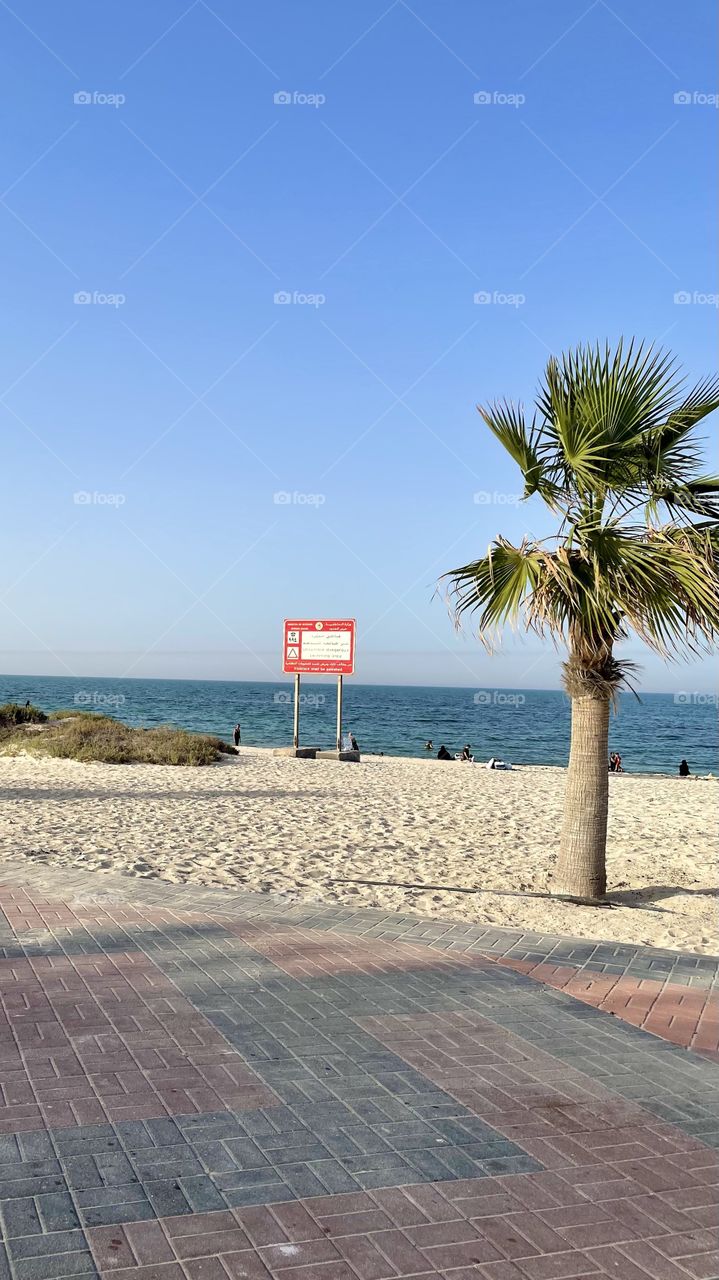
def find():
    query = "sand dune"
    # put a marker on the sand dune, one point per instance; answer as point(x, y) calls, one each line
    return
point(439, 839)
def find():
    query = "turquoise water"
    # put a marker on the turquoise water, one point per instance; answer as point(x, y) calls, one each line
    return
point(526, 727)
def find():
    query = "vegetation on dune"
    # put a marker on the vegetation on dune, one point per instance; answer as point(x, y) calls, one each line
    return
point(612, 450)
point(90, 737)
point(12, 713)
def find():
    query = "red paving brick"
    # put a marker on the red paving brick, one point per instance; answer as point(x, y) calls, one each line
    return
point(683, 1016)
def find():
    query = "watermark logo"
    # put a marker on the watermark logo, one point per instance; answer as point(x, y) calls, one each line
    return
point(695, 699)
point(283, 498)
point(98, 900)
point(87, 498)
point(87, 298)
point(685, 298)
point(295, 98)
point(483, 498)
point(497, 98)
point(96, 98)
point(283, 298)
point(497, 698)
point(284, 699)
point(694, 98)
point(485, 298)
point(93, 698)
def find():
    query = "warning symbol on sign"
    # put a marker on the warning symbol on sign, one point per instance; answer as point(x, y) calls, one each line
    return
point(293, 653)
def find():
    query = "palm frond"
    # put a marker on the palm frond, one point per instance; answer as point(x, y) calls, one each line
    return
point(612, 427)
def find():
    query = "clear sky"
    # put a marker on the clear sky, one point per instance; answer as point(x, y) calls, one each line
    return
point(147, 165)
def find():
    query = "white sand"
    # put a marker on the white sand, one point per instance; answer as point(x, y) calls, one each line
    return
point(307, 827)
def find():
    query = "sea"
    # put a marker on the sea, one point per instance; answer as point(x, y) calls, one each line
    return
point(529, 726)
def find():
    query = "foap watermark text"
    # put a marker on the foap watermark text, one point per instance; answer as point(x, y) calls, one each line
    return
point(97, 98)
point(283, 298)
point(695, 699)
point(296, 98)
point(283, 498)
point(94, 298)
point(91, 498)
point(685, 298)
point(495, 298)
point(498, 98)
point(94, 698)
point(695, 98)
point(483, 498)
point(498, 698)
point(285, 699)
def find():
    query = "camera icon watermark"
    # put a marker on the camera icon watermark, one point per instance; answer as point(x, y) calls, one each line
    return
point(87, 498)
point(694, 98)
point(295, 98)
point(283, 498)
point(94, 698)
point(93, 298)
point(497, 98)
point(485, 498)
point(695, 699)
point(485, 298)
point(685, 298)
point(283, 298)
point(96, 98)
point(498, 698)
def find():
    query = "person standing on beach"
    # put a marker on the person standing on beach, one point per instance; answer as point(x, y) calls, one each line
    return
point(237, 736)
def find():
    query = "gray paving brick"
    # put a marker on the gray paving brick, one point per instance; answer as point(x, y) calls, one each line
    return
point(113, 1215)
point(57, 1212)
point(55, 1266)
point(40, 1245)
point(20, 1217)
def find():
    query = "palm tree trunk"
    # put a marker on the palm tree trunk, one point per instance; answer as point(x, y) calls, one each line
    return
point(581, 867)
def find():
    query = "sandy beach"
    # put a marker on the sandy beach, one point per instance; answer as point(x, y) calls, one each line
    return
point(451, 840)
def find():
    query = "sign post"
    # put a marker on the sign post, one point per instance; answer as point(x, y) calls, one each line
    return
point(296, 724)
point(339, 713)
point(318, 646)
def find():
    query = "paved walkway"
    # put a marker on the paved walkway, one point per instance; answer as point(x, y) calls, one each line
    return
point(199, 1085)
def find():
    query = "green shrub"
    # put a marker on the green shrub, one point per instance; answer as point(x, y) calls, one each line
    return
point(90, 736)
point(13, 713)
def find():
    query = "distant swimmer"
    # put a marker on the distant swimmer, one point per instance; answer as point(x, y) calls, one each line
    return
point(428, 745)
point(237, 736)
point(684, 770)
point(443, 754)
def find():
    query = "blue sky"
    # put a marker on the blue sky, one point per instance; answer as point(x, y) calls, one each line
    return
point(181, 198)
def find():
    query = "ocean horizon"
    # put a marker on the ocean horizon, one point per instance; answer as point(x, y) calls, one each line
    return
point(524, 726)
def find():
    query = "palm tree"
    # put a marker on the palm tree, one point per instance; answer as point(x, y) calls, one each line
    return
point(612, 451)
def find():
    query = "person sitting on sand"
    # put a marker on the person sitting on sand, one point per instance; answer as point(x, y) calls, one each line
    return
point(237, 736)
point(684, 770)
point(355, 743)
point(467, 752)
point(443, 753)
point(615, 763)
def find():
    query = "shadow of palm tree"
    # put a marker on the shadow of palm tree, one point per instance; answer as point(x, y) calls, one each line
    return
point(501, 893)
point(655, 893)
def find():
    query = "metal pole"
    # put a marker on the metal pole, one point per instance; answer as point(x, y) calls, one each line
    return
point(296, 727)
point(339, 713)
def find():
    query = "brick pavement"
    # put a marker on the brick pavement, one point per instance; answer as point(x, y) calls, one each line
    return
point(199, 1085)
